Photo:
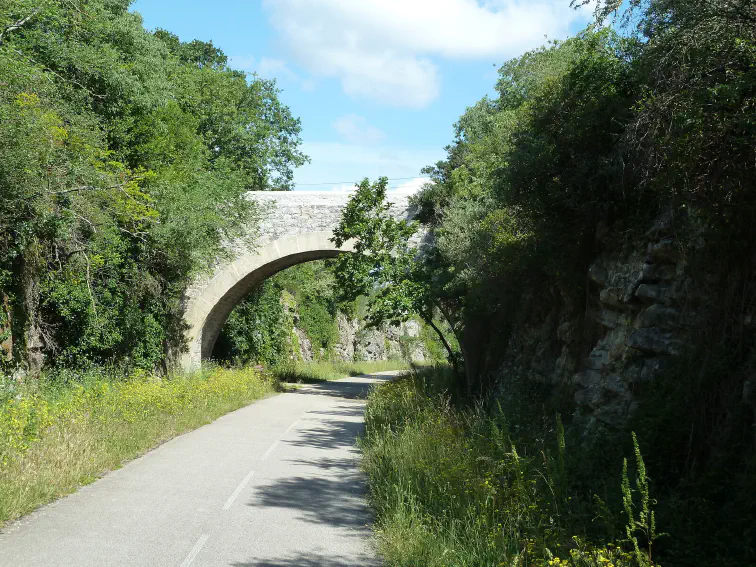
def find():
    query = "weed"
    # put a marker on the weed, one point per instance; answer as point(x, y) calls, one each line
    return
point(451, 486)
point(59, 434)
point(320, 371)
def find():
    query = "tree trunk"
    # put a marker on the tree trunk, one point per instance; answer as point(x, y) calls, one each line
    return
point(26, 320)
point(6, 328)
point(472, 343)
point(452, 357)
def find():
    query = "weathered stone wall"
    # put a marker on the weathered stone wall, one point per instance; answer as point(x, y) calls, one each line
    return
point(288, 213)
point(638, 312)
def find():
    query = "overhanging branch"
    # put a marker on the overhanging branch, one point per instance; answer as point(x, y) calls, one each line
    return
point(17, 25)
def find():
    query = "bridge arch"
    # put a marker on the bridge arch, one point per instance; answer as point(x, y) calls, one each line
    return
point(295, 227)
point(207, 311)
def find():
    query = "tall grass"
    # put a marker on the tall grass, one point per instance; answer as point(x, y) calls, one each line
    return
point(320, 371)
point(61, 433)
point(450, 487)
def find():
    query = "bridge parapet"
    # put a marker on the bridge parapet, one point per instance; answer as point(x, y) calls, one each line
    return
point(295, 212)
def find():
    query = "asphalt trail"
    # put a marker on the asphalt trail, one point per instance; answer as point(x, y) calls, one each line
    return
point(275, 484)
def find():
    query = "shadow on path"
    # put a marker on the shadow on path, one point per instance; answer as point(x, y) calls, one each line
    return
point(336, 428)
point(356, 388)
point(338, 500)
point(315, 560)
point(325, 487)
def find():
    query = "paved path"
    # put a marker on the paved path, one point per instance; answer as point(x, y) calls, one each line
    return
point(274, 484)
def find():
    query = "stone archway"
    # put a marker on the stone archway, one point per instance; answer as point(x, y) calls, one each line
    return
point(207, 311)
point(296, 227)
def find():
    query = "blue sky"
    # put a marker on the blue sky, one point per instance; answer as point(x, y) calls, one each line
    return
point(378, 84)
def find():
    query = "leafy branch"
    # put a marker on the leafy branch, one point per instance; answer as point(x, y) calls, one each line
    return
point(17, 25)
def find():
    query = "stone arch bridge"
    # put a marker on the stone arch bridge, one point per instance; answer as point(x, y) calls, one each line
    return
point(296, 227)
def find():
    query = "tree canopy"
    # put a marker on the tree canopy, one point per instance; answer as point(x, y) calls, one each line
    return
point(124, 159)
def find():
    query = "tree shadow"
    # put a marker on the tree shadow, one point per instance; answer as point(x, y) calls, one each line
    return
point(329, 490)
point(325, 464)
point(331, 433)
point(338, 501)
point(315, 560)
point(346, 388)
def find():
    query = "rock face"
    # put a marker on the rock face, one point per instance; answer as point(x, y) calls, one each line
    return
point(390, 342)
point(357, 343)
point(345, 347)
point(638, 314)
point(305, 345)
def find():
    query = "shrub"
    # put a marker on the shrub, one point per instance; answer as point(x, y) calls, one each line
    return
point(451, 486)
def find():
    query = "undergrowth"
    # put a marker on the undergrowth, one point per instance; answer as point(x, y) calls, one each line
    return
point(319, 371)
point(451, 486)
point(68, 429)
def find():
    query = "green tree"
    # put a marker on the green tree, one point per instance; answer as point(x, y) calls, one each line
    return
point(258, 330)
point(385, 266)
point(125, 157)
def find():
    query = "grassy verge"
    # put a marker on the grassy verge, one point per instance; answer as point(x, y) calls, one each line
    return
point(66, 432)
point(451, 487)
point(322, 371)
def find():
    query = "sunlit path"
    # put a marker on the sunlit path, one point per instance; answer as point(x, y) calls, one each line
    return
point(273, 484)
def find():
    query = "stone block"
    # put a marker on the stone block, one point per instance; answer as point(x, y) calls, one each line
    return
point(654, 341)
point(587, 378)
point(592, 396)
point(613, 296)
point(598, 359)
point(659, 316)
point(665, 251)
point(615, 412)
point(610, 319)
point(653, 273)
point(412, 329)
point(598, 274)
point(656, 293)
point(614, 384)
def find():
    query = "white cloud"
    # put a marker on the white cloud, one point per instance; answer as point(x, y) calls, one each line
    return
point(357, 130)
point(410, 186)
point(382, 49)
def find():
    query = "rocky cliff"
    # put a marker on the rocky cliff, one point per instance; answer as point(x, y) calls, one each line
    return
point(358, 343)
point(640, 307)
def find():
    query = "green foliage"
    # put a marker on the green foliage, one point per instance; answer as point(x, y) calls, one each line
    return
point(306, 298)
point(515, 205)
point(312, 287)
point(260, 329)
point(320, 371)
point(645, 523)
point(603, 130)
point(696, 426)
point(381, 266)
point(454, 486)
point(68, 428)
point(385, 267)
point(257, 331)
point(124, 159)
